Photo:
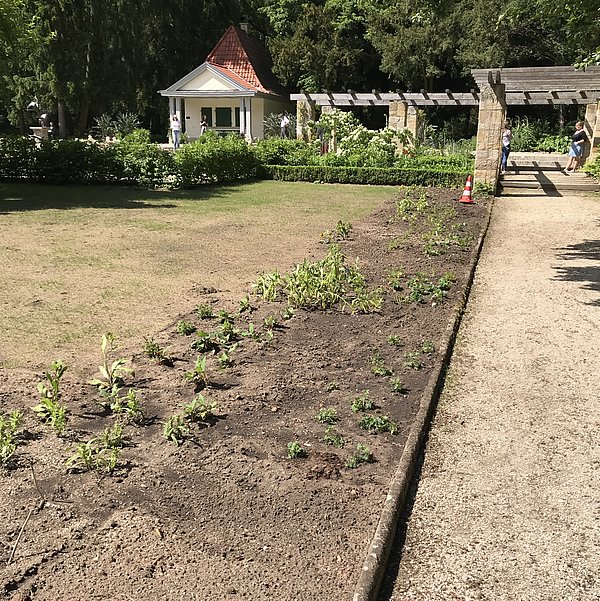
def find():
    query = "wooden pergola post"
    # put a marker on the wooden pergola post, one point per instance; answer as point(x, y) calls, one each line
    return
point(592, 129)
point(492, 113)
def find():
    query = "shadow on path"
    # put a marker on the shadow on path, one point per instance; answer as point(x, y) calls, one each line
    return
point(588, 275)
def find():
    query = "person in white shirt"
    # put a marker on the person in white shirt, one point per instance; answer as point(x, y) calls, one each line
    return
point(175, 131)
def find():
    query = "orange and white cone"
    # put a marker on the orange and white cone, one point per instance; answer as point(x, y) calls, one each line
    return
point(466, 197)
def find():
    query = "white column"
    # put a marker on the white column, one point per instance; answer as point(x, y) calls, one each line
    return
point(243, 116)
point(249, 119)
point(178, 108)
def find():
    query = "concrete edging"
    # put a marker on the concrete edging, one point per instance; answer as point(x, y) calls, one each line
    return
point(375, 564)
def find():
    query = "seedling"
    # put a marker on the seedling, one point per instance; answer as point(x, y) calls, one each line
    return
point(362, 402)
point(270, 322)
point(376, 424)
point(395, 278)
point(112, 437)
point(251, 332)
point(295, 450)
point(378, 366)
point(130, 406)
point(268, 286)
point(205, 343)
point(53, 375)
point(331, 386)
point(9, 424)
point(185, 328)
point(412, 360)
point(395, 244)
point(367, 301)
point(175, 430)
point(112, 372)
point(327, 237)
point(397, 385)
point(224, 360)
point(333, 438)
point(245, 305)
point(204, 311)
point(342, 229)
point(93, 455)
point(198, 409)
point(49, 409)
point(154, 351)
point(427, 347)
point(224, 316)
point(327, 416)
point(394, 340)
point(288, 313)
point(362, 455)
point(198, 374)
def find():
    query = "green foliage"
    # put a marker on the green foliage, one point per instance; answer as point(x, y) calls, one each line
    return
point(427, 347)
point(95, 455)
point(199, 409)
point(295, 450)
point(198, 374)
point(397, 385)
point(331, 386)
point(204, 311)
point(535, 135)
point(362, 455)
point(333, 438)
point(412, 360)
point(112, 372)
point(9, 425)
point(154, 351)
point(367, 175)
point(378, 366)
point(593, 168)
point(321, 285)
point(281, 151)
point(327, 416)
point(129, 406)
point(245, 305)
point(223, 160)
point(362, 402)
point(185, 328)
point(395, 278)
point(17, 157)
point(394, 340)
point(421, 287)
point(49, 409)
point(175, 430)
point(145, 163)
point(376, 424)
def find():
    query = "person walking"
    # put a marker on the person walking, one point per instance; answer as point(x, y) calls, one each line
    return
point(506, 138)
point(175, 131)
point(577, 146)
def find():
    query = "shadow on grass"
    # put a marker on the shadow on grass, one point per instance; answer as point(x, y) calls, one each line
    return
point(590, 274)
point(17, 197)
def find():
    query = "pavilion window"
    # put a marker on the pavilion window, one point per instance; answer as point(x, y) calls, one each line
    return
point(223, 116)
point(207, 111)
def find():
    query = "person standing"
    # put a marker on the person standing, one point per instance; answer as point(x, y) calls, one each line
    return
point(175, 131)
point(203, 125)
point(284, 124)
point(506, 139)
point(577, 146)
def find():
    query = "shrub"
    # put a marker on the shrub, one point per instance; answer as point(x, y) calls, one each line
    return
point(222, 160)
point(368, 175)
point(281, 151)
point(17, 157)
point(144, 163)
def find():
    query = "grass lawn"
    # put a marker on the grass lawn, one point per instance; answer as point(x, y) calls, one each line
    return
point(80, 261)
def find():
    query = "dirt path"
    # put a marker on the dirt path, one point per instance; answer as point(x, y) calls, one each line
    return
point(507, 506)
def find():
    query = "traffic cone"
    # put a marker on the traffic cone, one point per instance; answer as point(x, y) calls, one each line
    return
point(466, 197)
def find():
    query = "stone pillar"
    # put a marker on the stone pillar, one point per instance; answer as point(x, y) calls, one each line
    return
point(413, 121)
point(592, 129)
point(305, 112)
point(398, 110)
point(332, 145)
point(492, 114)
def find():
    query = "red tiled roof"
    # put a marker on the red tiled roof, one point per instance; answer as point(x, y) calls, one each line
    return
point(247, 59)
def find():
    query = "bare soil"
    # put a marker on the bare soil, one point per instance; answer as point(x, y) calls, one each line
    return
point(227, 515)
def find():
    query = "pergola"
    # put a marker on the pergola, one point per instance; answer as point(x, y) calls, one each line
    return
point(498, 88)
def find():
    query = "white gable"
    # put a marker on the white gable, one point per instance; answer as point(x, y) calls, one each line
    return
point(209, 81)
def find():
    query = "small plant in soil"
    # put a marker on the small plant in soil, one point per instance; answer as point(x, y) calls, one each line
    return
point(288, 313)
point(343, 229)
point(185, 328)
point(9, 425)
point(204, 311)
point(270, 322)
point(331, 386)
point(199, 409)
point(224, 360)
point(112, 437)
point(91, 455)
point(112, 372)
point(198, 374)
point(154, 351)
point(245, 305)
point(224, 316)
point(395, 244)
point(412, 205)
point(394, 340)
point(327, 416)
point(205, 342)
point(397, 385)
point(362, 402)
point(49, 409)
point(427, 347)
point(333, 438)
point(251, 332)
point(378, 366)
point(412, 360)
point(175, 430)
point(268, 286)
point(376, 424)
point(129, 406)
point(295, 450)
point(362, 455)
point(395, 278)
point(367, 301)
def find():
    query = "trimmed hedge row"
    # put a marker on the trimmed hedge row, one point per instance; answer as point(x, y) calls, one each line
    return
point(369, 175)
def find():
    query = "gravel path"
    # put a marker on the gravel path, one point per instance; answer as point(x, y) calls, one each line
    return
point(508, 506)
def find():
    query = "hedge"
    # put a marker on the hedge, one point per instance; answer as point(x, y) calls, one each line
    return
point(369, 175)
